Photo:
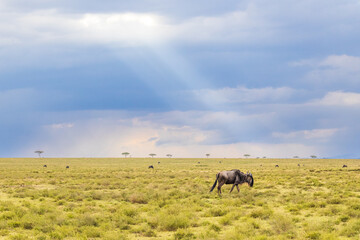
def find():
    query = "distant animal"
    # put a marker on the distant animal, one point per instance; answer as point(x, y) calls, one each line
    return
point(344, 165)
point(151, 166)
point(198, 162)
point(276, 165)
point(219, 161)
point(158, 162)
point(44, 166)
point(298, 165)
point(234, 177)
point(67, 167)
point(260, 165)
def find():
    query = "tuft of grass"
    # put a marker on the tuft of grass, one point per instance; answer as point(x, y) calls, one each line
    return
point(88, 220)
point(262, 213)
point(313, 235)
point(182, 234)
point(352, 229)
point(138, 198)
point(282, 224)
point(173, 222)
point(217, 212)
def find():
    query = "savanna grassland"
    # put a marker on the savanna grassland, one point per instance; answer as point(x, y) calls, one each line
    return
point(123, 199)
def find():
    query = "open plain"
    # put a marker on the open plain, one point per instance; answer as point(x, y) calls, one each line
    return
point(124, 199)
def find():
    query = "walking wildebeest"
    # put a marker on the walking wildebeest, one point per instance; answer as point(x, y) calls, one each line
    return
point(151, 166)
point(276, 165)
point(67, 167)
point(298, 165)
point(158, 162)
point(344, 165)
point(234, 177)
point(44, 166)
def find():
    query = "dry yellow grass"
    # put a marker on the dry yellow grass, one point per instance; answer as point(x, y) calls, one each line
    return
point(123, 199)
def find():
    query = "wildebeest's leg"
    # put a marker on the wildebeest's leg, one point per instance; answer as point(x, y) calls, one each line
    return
point(219, 186)
point(237, 186)
point(232, 188)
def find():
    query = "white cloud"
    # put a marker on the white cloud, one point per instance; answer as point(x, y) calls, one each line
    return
point(337, 70)
point(133, 28)
point(246, 26)
point(339, 98)
point(50, 26)
point(245, 95)
point(258, 22)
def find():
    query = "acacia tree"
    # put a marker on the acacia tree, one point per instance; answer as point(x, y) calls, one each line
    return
point(169, 155)
point(152, 154)
point(125, 154)
point(313, 156)
point(296, 156)
point(246, 155)
point(207, 155)
point(39, 152)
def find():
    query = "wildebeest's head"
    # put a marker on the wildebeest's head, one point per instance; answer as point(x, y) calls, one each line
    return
point(249, 179)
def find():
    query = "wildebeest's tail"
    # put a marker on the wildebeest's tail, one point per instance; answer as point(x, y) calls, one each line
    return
point(217, 176)
point(252, 181)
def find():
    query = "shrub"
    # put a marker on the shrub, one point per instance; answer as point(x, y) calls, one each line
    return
point(334, 201)
point(262, 213)
point(88, 220)
point(138, 198)
point(92, 232)
point(28, 225)
point(184, 235)
point(215, 227)
point(313, 235)
point(130, 212)
point(14, 224)
point(173, 222)
point(226, 220)
point(344, 218)
point(217, 212)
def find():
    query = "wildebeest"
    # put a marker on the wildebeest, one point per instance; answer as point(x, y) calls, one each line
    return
point(234, 177)
point(198, 162)
point(44, 166)
point(276, 165)
point(151, 166)
point(158, 162)
point(344, 165)
point(298, 165)
point(67, 167)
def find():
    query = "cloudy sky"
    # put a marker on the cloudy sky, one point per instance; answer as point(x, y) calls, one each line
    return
point(98, 78)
